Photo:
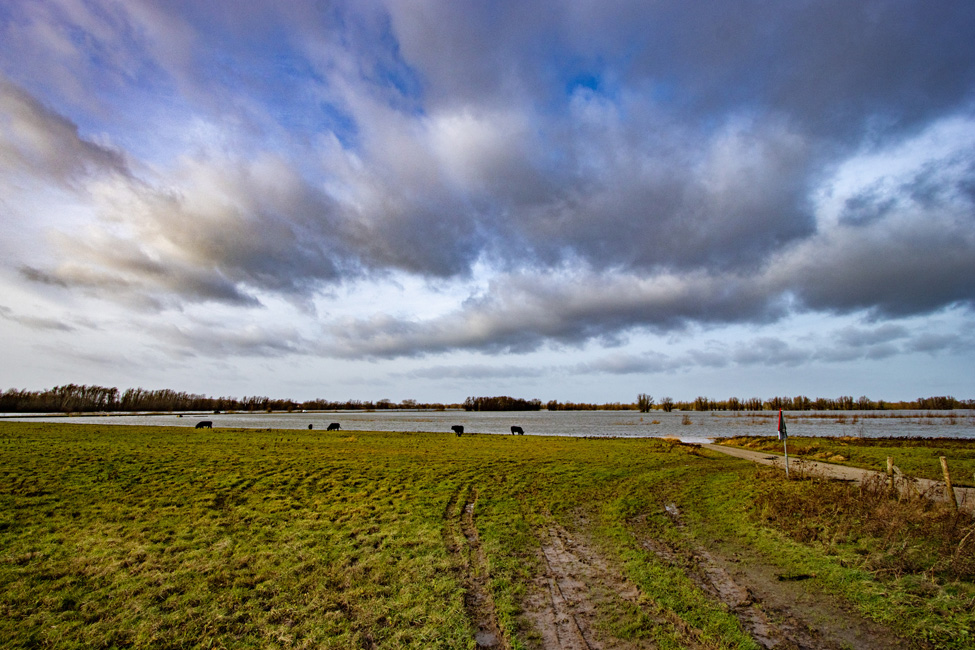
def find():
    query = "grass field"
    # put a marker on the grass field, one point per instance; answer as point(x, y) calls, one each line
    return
point(152, 537)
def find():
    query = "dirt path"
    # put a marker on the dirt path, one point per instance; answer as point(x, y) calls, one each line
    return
point(965, 497)
point(563, 607)
point(566, 606)
point(778, 611)
point(461, 539)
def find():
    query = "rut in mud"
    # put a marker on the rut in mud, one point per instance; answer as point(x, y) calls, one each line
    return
point(461, 539)
point(566, 605)
point(778, 611)
point(563, 607)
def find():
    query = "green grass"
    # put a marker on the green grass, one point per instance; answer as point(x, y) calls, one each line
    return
point(917, 457)
point(152, 537)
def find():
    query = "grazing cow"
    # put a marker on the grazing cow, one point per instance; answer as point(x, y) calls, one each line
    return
point(205, 424)
point(334, 426)
point(458, 429)
point(517, 430)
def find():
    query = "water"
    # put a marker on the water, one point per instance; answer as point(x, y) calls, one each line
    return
point(686, 426)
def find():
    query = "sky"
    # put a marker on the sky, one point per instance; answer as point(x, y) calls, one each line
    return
point(575, 200)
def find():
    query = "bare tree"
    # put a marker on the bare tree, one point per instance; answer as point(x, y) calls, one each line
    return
point(644, 402)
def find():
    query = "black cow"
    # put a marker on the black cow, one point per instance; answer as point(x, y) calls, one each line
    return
point(334, 426)
point(205, 424)
point(458, 429)
point(517, 430)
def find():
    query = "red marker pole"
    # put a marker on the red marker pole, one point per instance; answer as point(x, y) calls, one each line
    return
point(784, 437)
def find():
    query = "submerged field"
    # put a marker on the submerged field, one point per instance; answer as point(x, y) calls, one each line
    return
point(116, 536)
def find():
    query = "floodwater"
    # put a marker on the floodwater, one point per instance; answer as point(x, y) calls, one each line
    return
point(688, 426)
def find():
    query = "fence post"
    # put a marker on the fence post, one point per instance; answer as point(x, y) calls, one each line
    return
point(951, 490)
point(890, 472)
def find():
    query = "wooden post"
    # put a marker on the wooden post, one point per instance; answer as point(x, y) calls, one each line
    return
point(785, 445)
point(951, 490)
point(890, 472)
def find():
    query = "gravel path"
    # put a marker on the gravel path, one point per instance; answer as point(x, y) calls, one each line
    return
point(965, 497)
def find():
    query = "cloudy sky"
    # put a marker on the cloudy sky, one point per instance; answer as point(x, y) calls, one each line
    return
point(430, 199)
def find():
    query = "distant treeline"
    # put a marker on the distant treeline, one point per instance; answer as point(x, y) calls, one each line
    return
point(803, 403)
point(74, 398)
point(555, 405)
point(503, 403)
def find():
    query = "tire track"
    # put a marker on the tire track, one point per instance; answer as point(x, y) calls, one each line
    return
point(461, 539)
point(564, 608)
point(563, 626)
point(773, 618)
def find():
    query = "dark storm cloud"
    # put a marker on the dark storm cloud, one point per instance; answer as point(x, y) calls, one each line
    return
point(901, 269)
point(829, 64)
point(644, 167)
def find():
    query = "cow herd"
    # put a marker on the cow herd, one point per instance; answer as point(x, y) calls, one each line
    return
point(335, 426)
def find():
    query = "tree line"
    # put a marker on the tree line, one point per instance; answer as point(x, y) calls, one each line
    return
point(77, 398)
point(803, 403)
point(502, 403)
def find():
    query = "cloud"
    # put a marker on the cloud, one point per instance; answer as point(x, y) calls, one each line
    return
point(210, 229)
point(475, 371)
point(770, 351)
point(521, 312)
point(581, 174)
point(904, 266)
point(223, 340)
point(36, 140)
point(35, 322)
point(936, 342)
point(629, 364)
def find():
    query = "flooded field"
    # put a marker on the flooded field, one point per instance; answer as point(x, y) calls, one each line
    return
point(689, 426)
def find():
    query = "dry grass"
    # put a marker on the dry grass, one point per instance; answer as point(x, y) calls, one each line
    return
point(894, 534)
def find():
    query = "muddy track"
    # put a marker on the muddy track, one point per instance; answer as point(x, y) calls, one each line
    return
point(461, 539)
point(563, 605)
point(777, 611)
